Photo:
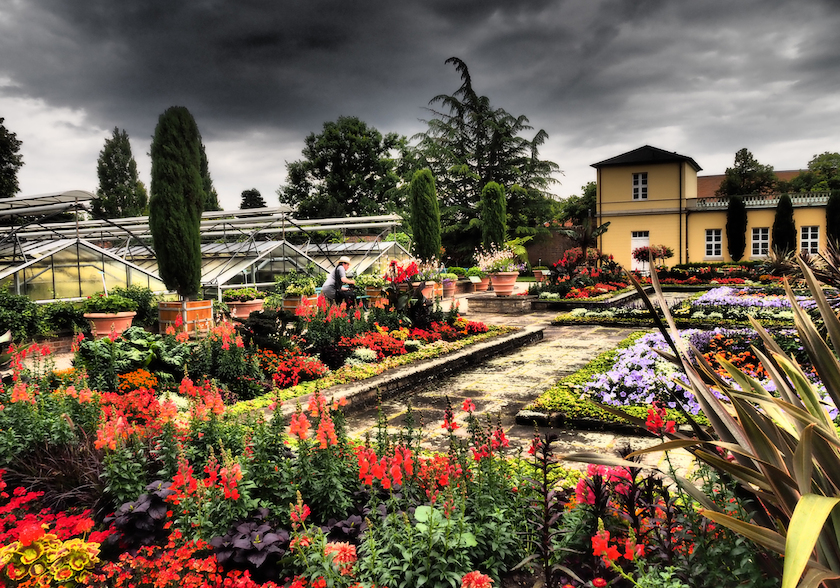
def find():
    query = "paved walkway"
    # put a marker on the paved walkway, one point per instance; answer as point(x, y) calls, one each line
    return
point(501, 386)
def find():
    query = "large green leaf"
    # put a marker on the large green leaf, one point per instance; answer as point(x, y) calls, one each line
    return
point(806, 524)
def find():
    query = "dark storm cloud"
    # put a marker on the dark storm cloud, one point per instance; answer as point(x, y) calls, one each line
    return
point(708, 77)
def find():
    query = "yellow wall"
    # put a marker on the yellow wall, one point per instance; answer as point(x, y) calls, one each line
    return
point(659, 214)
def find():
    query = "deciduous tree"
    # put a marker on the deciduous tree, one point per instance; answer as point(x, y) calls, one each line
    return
point(347, 170)
point(747, 176)
point(10, 162)
point(425, 216)
point(176, 201)
point(121, 193)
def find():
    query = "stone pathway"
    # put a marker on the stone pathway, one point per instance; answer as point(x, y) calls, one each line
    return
point(501, 386)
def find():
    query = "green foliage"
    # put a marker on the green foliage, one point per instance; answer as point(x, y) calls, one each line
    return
point(120, 193)
point(222, 356)
point(100, 302)
point(403, 239)
point(346, 170)
point(147, 304)
point(177, 201)
point(832, 218)
point(470, 143)
point(784, 229)
point(241, 295)
point(211, 197)
point(425, 216)
point(823, 174)
point(252, 199)
point(124, 473)
point(61, 317)
point(576, 209)
point(10, 161)
point(19, 315)
point(747, 176)
point(736, 227)
point(493, 215)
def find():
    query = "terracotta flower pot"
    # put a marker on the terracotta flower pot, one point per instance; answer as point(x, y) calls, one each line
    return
point(242, 310)
point(449, 288)
point(503, 282)
point(428, 289)
point(102, 324)
point(483, 284)
point(199, 315)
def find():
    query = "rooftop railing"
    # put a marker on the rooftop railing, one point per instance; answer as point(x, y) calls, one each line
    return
point(798, 199)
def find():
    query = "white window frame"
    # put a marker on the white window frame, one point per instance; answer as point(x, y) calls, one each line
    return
point(640, 186)
point(809, 239)
point(714, 243)
point(760, 241)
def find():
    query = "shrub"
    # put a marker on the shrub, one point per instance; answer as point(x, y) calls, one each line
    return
point(101, 302)
point(147, 304)
point(19, 315)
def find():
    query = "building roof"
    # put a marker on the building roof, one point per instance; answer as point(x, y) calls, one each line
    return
point(647, 155)
point(708, 185)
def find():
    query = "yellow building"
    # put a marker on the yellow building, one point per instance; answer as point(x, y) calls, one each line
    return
point(651, 197)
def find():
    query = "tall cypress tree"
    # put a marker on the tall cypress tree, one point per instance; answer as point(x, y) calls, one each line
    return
point(177, 201)
point(425, 215)
point(493, 215)
point(736, 227)
point(832, 218)
point(784, 229)
point(120, 193)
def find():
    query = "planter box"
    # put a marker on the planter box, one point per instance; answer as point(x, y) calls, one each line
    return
point(199, 315)
point(242, 310)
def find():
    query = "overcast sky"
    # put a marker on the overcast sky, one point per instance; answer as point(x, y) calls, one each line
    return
point(601, 77)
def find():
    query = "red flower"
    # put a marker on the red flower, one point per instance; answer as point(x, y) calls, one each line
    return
point(476, 580)
point(599, 582)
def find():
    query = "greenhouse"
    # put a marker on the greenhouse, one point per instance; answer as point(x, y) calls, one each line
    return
point(51, 250)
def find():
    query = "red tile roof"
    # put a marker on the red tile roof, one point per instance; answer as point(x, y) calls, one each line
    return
point(707, 185)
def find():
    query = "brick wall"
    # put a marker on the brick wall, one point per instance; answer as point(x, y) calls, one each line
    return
point(549, 250)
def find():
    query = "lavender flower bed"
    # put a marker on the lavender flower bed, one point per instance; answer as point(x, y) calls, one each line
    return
point(748, 297)
point(640, 375)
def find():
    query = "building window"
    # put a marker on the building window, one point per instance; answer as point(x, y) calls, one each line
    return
point(714, 243)
point(640, 186)
point(760, 241)
point(809, 241)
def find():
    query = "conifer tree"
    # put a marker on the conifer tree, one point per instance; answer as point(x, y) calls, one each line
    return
point(10, 162)
point(120, 194)
point(252, 199)
point(736, 227)
point(493, 215)
point(425, 215)
point(177, 198)
point(784, 229)
point(211, 197)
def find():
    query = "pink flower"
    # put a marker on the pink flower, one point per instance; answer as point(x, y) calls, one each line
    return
point(476, 580)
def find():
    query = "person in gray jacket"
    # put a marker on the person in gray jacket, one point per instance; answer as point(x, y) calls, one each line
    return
point(334, 286)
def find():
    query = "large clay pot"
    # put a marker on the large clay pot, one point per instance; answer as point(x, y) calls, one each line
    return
point(291, 303)
point(428, 289)
point(540, 275)
point(483, 284)
point(199, 315)
point(103, 324)
point(503, 282)
point(449, 288)
point(242, 310)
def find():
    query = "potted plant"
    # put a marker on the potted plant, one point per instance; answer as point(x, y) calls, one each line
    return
point(108, 314)
point(540, 273)
point(503, 264)
point(448, 281)
point(426, 278)
point(479, 278)
point(243, 301)
point(175, 207)
point(373, 286)
point(299, 288)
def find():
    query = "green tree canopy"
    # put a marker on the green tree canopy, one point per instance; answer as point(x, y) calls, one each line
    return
point(736, 227)
point(10, 162)
point(425, 216)
point(747, 176)
point(469, 144)
point(177, 199)
point(823, 174)
point(784, 229)
point(576, 209)
point(252, 199)
point(120, 194)
point(493, 216)
point(347, 170)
